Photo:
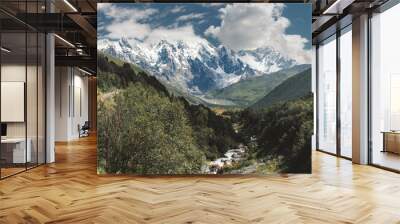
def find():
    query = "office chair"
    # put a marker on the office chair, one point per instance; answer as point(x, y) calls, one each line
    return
point(84, 130)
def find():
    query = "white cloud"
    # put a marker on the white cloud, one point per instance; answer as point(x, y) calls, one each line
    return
point(183, 33)
point(191, 16)
point(119, 14)
point(130, 23)
point(213, 4)
point(178, 9)
point(251, 26)
point(102, 6)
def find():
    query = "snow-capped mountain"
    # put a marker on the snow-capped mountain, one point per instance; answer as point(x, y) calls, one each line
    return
point(196, 67)
point(266, 60)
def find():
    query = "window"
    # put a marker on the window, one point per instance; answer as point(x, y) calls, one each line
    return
point(385, 89)
point(346, 92)
point(327, 95)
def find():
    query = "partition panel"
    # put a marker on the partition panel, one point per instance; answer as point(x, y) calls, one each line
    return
point(15, 149)
point(22, 77)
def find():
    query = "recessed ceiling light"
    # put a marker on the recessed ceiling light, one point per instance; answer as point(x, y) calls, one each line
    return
point(64, 40)
point(70, 5)
point(337, 7)
point(86, 72)
point(5, 50)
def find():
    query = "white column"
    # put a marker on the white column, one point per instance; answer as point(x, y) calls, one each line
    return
point(314, 91)
point(360, 89)
point(50, 99)
point(63, 99)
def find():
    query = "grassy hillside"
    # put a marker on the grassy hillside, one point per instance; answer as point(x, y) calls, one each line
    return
point(293, 88)
point(143, 129)
point(282, 131)
point(171, 89)
point(249, 91)
point(120, 62)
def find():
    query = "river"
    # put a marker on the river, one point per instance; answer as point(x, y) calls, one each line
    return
point(230, 157)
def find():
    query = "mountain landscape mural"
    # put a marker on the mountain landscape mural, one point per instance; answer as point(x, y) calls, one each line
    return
point(204, 88)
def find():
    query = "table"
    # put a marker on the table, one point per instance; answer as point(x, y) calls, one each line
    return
point(391, 141)
point(13, 150)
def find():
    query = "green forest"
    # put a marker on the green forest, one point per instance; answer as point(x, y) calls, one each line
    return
point(144, 128)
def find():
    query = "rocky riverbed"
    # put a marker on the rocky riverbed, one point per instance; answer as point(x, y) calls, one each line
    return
point(230, 157)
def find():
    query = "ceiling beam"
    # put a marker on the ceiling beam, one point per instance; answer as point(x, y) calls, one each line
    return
point(77, 61)
point(49, 22)
point(337, 7)
point(320, 23)
point(84, 24)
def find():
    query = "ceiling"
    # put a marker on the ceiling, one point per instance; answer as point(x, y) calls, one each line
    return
point(330, 15)
point(73, 21)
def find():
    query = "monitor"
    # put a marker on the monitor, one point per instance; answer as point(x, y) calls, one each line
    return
point(3, 129)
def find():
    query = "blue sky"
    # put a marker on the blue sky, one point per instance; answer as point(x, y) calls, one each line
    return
point(240, 26)
point(300, 16)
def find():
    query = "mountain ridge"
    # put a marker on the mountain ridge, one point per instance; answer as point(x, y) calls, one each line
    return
point(198, 67)
point(292, 88)
point(248, 91)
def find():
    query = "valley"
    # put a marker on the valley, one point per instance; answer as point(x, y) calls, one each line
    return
point(211, 133)
point(202, 73)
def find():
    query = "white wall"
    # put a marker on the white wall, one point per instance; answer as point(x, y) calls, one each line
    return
point(33, 126)
point(11, 73)
point(70, 83)
point(13, 101)
point(17, 73)
point(62, 82)
point(79, 117)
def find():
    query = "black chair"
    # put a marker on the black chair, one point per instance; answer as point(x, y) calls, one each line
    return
point(84, 130)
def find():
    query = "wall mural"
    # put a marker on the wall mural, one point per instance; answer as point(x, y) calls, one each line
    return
point(204, 88)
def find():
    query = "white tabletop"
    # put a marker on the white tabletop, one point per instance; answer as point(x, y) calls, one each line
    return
point(13, 140)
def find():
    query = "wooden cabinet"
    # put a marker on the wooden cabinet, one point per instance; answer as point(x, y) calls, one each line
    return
point(391, 142)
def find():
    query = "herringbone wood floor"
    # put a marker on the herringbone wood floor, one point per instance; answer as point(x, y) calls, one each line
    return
point(69, 191)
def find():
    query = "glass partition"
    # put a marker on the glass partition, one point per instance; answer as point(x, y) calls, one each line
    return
point(22, 88)
point(327, 95)
point(13, 94)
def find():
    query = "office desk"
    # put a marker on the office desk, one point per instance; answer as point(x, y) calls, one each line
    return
point(391, 141)
point(13, 150)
